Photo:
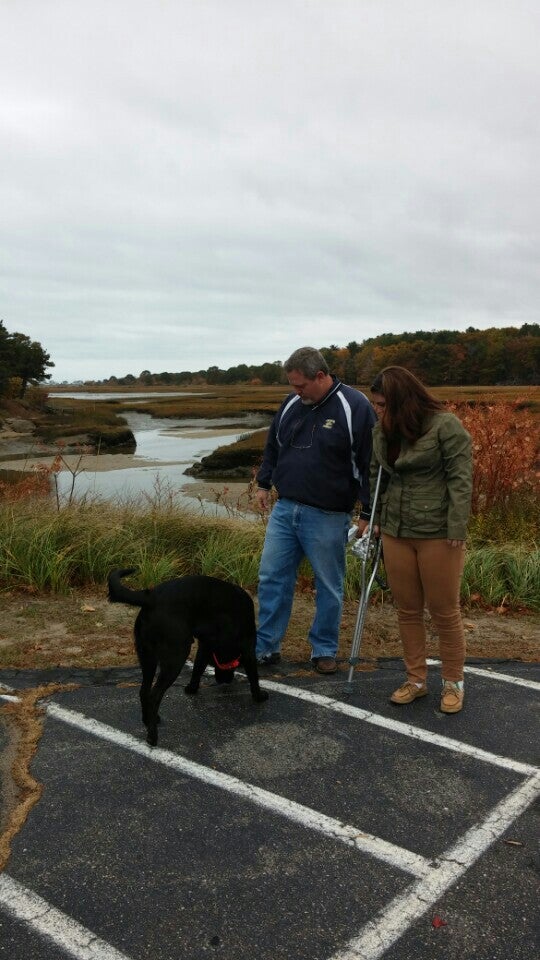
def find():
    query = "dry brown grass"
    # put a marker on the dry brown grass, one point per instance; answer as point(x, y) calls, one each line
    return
point(223, 401)
point(25, 720)
point(84, 631)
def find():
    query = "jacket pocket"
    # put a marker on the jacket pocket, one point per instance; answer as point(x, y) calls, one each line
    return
point(427, 516)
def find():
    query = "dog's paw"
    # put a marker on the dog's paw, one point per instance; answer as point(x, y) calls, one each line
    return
point(191, 689)
point(261, 696)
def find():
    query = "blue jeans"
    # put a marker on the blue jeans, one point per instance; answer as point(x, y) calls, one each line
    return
point(294, 531)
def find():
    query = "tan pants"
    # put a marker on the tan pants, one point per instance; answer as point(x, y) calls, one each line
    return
point(427, 573)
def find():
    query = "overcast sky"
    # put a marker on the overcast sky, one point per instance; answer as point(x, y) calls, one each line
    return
point(187, 183)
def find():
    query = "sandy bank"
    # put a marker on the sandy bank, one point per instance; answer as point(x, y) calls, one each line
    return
point(90, 463)
point(235, 497)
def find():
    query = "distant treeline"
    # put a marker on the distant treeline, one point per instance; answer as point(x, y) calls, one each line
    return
point(510, 355)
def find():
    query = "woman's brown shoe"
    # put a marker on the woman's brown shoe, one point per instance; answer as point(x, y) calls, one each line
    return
point(451, 697)
point(408, 692)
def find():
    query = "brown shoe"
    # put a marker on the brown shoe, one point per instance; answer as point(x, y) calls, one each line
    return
point(408, 692)
point(451, 697)
point(325, 664)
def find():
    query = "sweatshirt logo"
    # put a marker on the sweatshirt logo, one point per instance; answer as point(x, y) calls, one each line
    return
point(328, 424)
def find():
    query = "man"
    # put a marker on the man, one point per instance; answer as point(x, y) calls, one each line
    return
point(317, 457)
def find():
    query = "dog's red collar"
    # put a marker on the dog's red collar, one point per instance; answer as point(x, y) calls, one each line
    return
point(227, 666)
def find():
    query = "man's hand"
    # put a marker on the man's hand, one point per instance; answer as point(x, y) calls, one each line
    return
point(262, 496)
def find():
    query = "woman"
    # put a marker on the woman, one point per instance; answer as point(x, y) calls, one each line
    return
point(422, 513)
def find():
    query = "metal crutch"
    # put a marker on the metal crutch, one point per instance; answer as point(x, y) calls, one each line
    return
point(368, 549)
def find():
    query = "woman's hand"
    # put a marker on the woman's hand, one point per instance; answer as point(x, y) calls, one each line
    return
point(456, 543)
point(362, 527)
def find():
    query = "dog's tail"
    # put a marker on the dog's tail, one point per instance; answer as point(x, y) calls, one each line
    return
point(118, 593)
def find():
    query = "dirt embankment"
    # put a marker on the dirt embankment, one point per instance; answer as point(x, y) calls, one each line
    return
point(84, 630)
point(34, 433)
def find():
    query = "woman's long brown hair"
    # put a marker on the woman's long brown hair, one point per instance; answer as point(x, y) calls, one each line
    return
point(409, 406)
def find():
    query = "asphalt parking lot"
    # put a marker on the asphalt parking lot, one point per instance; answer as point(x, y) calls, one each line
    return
point(322, 824)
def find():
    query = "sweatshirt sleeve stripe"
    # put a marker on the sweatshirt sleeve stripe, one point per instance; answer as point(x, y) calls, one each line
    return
point(283, 412)
point(348, 417)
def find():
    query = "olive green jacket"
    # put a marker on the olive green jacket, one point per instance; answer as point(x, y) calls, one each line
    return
point(427, 493)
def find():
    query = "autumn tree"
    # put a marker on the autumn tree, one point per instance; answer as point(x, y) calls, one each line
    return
point(439, 357)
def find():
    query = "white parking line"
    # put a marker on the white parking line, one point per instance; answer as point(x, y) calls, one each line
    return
point(493, 675)
point(45, 920)
point(406, 729)
point(396, 856)
point(393, 921)
point(433, 878)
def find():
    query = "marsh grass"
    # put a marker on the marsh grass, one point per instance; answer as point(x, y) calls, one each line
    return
point(50, 547)
point(232, 554)
point(503, 576)
point(101, 422)
point(43, 549)
point(245, 452)
point(37, 557)
point(522, 570)
point(222, 400)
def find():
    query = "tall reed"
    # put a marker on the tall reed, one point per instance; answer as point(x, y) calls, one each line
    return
point(47, 549)
point(51, 550)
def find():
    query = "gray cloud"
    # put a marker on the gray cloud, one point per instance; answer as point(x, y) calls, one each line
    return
point(193, 183)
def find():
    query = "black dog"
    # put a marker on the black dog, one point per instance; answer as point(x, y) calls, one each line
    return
point(219, 614)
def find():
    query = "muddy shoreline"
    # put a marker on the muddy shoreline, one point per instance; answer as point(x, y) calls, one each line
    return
point(233, 495)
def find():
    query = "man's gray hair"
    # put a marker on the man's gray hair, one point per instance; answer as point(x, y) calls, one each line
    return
point(308, 361)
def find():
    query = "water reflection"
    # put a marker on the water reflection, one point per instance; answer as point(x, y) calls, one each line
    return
point(128, 395)
point(169, 446)
point(130, 484)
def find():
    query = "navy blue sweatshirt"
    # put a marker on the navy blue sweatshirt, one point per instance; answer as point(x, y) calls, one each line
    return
point(319, 454)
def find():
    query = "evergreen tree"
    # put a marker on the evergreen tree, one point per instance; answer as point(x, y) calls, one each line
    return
point(22, 358)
